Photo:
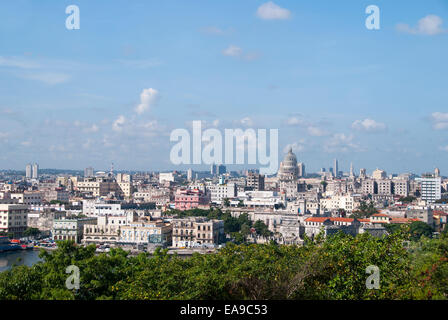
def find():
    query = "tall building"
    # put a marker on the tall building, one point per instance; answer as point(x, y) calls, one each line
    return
point(35, 171)
point(437, 172)
point(431, 188)
point(301, 166)
point(255, 181)
point(352, 174)
point(336, 168)
point(213, 169)
point(221, 169)
point(190, 174)
point(88, 172)
point(29, 171)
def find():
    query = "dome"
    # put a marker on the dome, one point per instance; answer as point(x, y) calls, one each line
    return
point(290, 159)
point(288, 167)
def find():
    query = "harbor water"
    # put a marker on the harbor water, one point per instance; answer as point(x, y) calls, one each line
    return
point(19, 257)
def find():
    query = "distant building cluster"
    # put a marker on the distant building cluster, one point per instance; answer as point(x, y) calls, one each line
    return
point(145, 209)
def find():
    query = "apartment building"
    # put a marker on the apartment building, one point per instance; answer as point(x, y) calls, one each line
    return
point(255, 181)
point(71, 228)
point(188, 232)
point(28, 197)
point(13, 218)
point(146, 232)
point(220, 192)
point(401, 187)
point(384, 187)
point(431, 188)
point(190, 199)
point(368, 186)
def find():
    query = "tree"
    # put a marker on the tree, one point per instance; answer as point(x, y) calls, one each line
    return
point(262, 229)
point(364, 210)
point(324, 185)
point(31, 232)
point(419, 229)
point(226, 202)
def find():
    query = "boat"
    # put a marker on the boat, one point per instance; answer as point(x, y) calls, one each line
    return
point(7, 245)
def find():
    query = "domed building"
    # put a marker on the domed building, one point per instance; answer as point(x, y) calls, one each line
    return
point(288, 167)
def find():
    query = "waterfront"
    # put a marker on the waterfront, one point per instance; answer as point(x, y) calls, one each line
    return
point(20, 257)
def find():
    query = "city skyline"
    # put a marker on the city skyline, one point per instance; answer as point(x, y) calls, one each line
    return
point(114, 89)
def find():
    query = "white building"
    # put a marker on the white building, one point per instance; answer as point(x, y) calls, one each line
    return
point(99, 207)
point(13, 218)
point(431, 188)
point(220, 192)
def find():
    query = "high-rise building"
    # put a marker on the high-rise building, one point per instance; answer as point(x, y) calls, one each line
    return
point(255, 181)
point(431, 188)
point(190, 174)
point(301, 167)
point(88, 172)
point(35, 171)
point(336, 168)
point(221, 169)
point(29, 171)
point(352, 174)
point(437, 172)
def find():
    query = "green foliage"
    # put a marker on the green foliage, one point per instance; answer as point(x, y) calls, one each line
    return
point(408, 199)
point(332, 268)
point(364, 210)
point(238, 228)
point(419, 229)
point(31, 232)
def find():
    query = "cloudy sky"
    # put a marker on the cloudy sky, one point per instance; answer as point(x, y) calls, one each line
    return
point(135, 70)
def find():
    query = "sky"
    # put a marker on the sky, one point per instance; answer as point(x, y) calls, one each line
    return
point(114, 89)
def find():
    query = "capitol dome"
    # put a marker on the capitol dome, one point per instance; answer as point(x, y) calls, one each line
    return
point(288, 167)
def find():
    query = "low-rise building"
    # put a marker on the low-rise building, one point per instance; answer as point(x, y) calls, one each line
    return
point(193, 231)
point(71, 228)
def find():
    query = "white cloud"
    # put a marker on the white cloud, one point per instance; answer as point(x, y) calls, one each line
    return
point(445, 148)
point(17, 62)
point(233, 51)
point(47, 78)
point(237, 52)
point(429, 25)
point(440, 120)
point(118, 124)
point(94, 128)
point(340, 142)
point(368, 125)
point(247, 122)
point(316, 131)
point(148, 97)
point(295, 121)
point(296, 146)
point(271, 11)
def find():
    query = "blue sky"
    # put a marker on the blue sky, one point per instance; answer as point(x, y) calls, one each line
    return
point(333, 88)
